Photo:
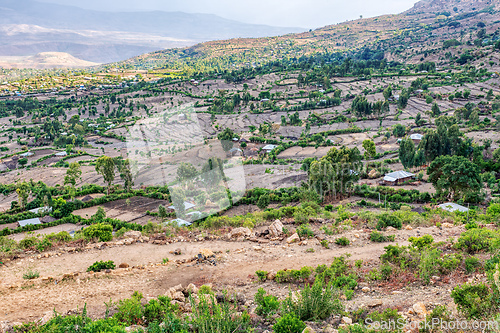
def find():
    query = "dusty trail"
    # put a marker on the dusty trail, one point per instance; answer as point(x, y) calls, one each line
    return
point(237, 261)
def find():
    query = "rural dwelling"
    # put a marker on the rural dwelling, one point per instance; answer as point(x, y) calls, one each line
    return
point(187, 206)
point(45, 209)
point(397, 177)
point(62, 154)
point(235, 152)
point(453, 207)
point(181, 222)
point(416, 138)
point(48, 219)
point(24, 223)
point(267, 149)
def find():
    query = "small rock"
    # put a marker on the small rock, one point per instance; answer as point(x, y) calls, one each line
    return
point(347, 320)
point(375, 303)
point(177, 252)
point(191, 289)
point(419, 309)
point(389, 228)
point(132, 234)
point(207, 253)
point(293, 238)
point(240, 232)
point(365, 290)
point(408, 227)
point(276, 229)
point(123, 265)
point(257, 248)
point(447, 225)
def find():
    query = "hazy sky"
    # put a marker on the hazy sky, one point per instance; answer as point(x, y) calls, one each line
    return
point(290, 13)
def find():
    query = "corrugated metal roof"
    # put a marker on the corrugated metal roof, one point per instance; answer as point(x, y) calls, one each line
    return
point(416, 136)
point(181, 222)
point(34, 221)
point(187, 205)
point(453, 207)
point(393, 176)
point(269, 147)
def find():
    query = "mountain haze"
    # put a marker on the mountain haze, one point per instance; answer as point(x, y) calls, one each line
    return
point(28, 27)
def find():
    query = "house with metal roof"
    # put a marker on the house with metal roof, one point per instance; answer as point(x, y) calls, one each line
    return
point(268, 148)
point(45, 209)
point(416, 138)
point(181, 222)
point(398, 177)
point(187, 206)
point(24, 223)
point(453, 207)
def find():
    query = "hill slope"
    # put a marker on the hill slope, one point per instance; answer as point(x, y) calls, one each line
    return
point(429, 21)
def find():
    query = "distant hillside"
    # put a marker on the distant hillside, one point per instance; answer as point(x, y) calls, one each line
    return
point(28, 27)
point(428, 22)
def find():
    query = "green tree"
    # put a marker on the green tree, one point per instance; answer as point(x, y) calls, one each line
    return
point(73, 173)
point(226, 137)
point(407, 153)
point(387, 93)
point(454, 176)
point(370, 149)
point(23, 190)
point(105, 166)
point(399, 131)
point(178, 198)
point(435, 110)
point(186, 171)
point(126, 174)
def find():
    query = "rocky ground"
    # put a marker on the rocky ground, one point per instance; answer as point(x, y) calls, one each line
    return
point(153, 265)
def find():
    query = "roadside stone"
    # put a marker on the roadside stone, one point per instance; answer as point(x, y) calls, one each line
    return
point(240, 232)
point(347, 320)
point(191, 289)
point(408, 227)
point(447, 225)
point(132, 234)
point(365, 290)
point(123, 265)
point(419, 309)
point(375, 303)
point(293, 238)
point(177, 252)
point(257, 248)
point(389, 228)
point(276, 229)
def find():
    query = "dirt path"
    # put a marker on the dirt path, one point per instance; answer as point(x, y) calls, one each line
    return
point(236, 262)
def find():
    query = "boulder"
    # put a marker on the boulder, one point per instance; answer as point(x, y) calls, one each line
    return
point(191, 289)
point(132, 234)
point(123, 265)
point(293, 238)
point(447, 225)
point(347, 320)
point(419, 309)
point(276, 229)
point(408, 227)
point(240, 232)
point(207, 253)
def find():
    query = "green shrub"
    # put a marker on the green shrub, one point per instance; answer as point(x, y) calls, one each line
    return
point(205, 290)
point(389, 220)
point(43, 245)
point(439, 313)
point(378, 237)
point(304, 231)
point(325, 243)
point(342, 241)
point(101, 265)
point(28, 242)
point(62, 236)
point(158, 308)
point(29, 275)
point(386, 316)
point(208, 316)
point(472, 264)
point(385, 271)
point(289, 323)
point(316, 302)
point(262, 275)
point(267, 305)
point(327, 230)
point(492, 262)
point(102, 232)
point(130, 311)
point(472, 300)
point(421, 242)
point(477, 240)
